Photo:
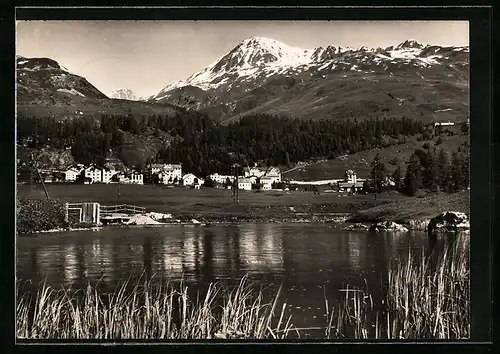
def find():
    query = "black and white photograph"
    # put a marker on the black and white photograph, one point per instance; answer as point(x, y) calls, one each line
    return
point(251, 180)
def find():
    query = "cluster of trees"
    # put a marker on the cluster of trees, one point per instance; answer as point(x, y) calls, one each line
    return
point(206, 146)
point(427, 169)
point(275, 140)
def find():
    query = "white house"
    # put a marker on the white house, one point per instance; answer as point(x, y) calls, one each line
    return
point(156, 168)
point(94, 173)
point(129, 178)
point(257, 172)
point(245, 183)
point(220, 178)
point(190, 179)
point(73, 172)
point(107, 173)
point(171, 173)
point(266, 187)
point(351, 182)
point(266, 182)
point(137, 178)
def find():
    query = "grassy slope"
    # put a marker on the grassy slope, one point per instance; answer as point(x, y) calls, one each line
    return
point(417, 208)
point(362, 95)
point(360, 162)
point(67, 106)
point(340, 94)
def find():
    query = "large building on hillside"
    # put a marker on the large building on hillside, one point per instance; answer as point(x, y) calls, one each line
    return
point(221, 179)
point(167, 173)
point(351, 183)
point(171, 173)
point(156, 168)
point(271, 173)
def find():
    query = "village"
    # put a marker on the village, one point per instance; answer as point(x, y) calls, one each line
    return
point(171, 175)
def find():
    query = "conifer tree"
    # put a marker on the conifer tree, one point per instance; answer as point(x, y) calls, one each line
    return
point(443, 170)
point(457, 176)
point(430, 171)
point(378, 173)
point(413, 177)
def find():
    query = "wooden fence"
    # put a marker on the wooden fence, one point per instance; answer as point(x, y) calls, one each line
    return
point(124, 208)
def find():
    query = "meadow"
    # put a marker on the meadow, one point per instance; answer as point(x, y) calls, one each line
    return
point(207, 201)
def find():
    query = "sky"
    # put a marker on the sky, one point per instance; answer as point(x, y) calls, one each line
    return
point(146, 56)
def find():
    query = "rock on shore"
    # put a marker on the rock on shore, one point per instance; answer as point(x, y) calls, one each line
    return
point(418, 225)
point(449, 221)
point(388, 226)
point(355, 227)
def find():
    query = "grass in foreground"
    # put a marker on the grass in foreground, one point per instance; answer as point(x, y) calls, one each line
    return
point(150, 311)
point(423, 300)
point(429, 299)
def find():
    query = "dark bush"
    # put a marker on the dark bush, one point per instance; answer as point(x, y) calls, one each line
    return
point(39, 215)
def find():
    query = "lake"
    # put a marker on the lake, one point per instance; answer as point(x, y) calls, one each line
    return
point(310, 260)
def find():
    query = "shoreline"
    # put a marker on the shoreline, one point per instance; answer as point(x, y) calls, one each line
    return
point(414, 214)
point(199, 222)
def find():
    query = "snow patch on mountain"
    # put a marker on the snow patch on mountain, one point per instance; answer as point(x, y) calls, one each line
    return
point(72, 92)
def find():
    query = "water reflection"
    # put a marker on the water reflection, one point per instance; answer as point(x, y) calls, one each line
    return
point(261, 248)
point(196, 254)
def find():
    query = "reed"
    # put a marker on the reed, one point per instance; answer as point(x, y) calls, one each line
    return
point(428, 299)
point(150, 311)
point(425, 297)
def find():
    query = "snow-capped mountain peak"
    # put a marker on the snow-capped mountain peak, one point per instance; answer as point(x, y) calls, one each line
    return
point(124, 94)
point(409, 44)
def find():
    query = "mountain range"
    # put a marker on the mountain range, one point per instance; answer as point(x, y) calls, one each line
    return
point(262, 75)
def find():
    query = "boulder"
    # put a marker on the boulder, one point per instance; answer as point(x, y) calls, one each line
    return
point(420, 225)
point(449, 221)
point(388, 226)
point(160, 217)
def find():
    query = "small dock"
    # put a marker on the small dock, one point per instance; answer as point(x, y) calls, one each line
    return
point(94, 213)
point(119, 214)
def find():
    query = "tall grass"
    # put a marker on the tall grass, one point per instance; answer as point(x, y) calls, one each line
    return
point(150, 311)
point(428, 299)
point(424, 298)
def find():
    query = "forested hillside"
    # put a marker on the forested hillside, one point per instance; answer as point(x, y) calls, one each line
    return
point(205, 146)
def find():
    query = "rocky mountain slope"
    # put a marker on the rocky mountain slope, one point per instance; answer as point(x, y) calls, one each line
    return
point(264, 75)
point(46, 88)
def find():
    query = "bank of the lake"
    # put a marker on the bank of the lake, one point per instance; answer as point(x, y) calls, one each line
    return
point(415, 213)
point(210, 205)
